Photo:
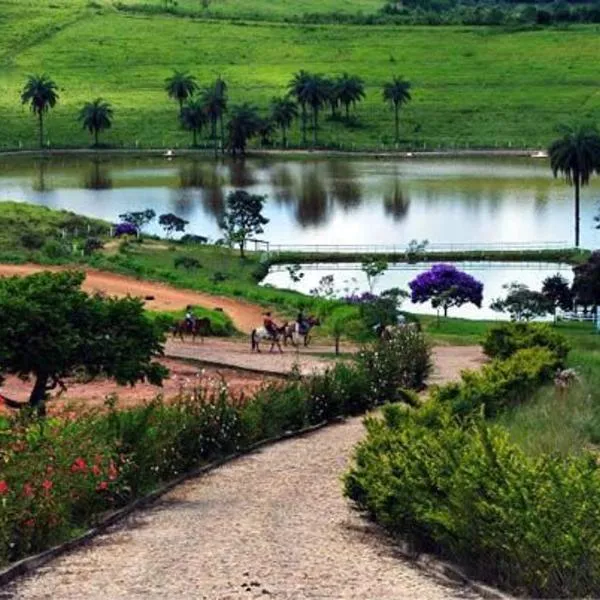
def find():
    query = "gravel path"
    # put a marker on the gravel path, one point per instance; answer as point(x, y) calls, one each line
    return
point(271, 524)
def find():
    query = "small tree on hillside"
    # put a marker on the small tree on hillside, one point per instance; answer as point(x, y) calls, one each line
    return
point(243, 218)
point(521, 303)
point(446, 286)
point(138, 219)
point(558, 293)
point(49, 329)
point(96, 116)
point(344, 320)
point(172, 223)
point(373, 269)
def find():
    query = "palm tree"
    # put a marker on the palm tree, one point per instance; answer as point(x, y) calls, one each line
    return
point(221, 90)
point(350, 90)
point(283, 112)
point(40, 92)
point(576, 155)
point(243, 124)
point(214, 101)
point(180, 86)
point(333, 96)
point(193, 118)
point(397, 93)
point(96, 116)
point(297, 88)
point(315, 94)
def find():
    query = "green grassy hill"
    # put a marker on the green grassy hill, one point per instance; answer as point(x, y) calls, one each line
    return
point(472, 86)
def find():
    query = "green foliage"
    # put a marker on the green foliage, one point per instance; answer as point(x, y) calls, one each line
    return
point(343, 321)
point(49, 328)
point(499, 384)
point(502, 341)
point(521, 303)
point(96, 116)
point(373, 268)
point(172, 223)
point(180, 86)
point(189, 263)
point(243, 217)
point(220, 324)
point(466, 492)
point(193, 118)
point(41, 95)
point(55, 249)
point(139, 219)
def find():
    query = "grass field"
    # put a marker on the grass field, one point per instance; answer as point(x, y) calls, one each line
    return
point(472, 86)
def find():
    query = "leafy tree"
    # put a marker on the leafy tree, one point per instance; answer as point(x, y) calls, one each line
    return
point(91, 245)
point(283, 112)
point(521, 303)
point(557, 291)
point(243, 217)
point(138, 219)
point(576, 155)
point(446, 286)
point(193, 118)
point(170, 223)
point(180, 87)
point(325, 287)
point(266, 128)
point(49, 329)
point(343, 320)
point(397, 93)
point(295, 273)
point(40, 93)
point(315, 94)
point(350, 90)
point(379, 310)
point(243, 125)
point(297, 88)
point(373, 269)
point(96, 116)
point(586, 283)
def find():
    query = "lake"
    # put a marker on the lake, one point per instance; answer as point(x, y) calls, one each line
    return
point(322, 200)
point(349, 278)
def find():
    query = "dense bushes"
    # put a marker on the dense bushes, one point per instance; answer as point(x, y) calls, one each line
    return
point(504, 340)
point(500, 384)
point(529, 524)
point(57, 475)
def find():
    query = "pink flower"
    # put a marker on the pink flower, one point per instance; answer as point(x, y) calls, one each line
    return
point(29, 523)
point(79, 466)
point(96, 470)
point(103, 485)
point(112, 471)
point(28, 490)
point(47, 485)
point(3, 488)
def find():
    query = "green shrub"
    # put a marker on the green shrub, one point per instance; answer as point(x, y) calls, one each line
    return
point(189, 263)
point(523, 523)
point(32, 240)
point(504, 340)
point(55, 249)
point(500, 384)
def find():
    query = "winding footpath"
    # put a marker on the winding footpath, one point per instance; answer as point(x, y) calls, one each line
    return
point(273, 524)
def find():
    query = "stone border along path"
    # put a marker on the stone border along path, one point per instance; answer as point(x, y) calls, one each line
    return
point(273, 524)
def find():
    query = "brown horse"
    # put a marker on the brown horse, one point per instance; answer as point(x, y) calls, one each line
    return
point(294, 333)
point(198, 328)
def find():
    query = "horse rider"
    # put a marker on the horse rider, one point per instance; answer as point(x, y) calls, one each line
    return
point(190, 319)
point(269, 325)
point(302, 323)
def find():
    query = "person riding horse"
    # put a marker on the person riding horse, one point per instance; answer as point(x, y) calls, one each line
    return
point(303, 324)
point(269, 325)
point(190, 318)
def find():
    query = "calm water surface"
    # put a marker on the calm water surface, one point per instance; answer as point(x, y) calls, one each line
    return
point(493, 276)
point(323, 201)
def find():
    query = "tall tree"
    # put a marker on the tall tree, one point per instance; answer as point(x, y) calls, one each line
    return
point(50, 329)
point(315, 94)
point(283, 112)
point(350, 90)
point(243, 218)
point(214, 101)
point(96, 116)
point(180, 87)
point(172, 223)
point(221, 91)
point(397, 93)
point(576, 155)
point(193, 118)
point(556, 289)
point(333, 95)
point(297, 88)
point(243, 124)
point(40, 93)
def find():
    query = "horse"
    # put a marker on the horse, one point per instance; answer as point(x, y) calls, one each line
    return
point(262, 334)
point(387, 332)
point(294, 334)
point(196, 328)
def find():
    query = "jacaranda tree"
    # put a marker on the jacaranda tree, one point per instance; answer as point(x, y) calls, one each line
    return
point(40, 93)
point(50, 329)
point(96, 116)
point(446, 287)
point(586, 283)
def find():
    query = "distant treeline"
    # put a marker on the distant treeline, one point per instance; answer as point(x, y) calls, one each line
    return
point(416, 12)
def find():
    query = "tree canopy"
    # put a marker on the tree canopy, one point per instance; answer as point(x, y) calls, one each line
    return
point(446, 286)
point(138, 219)
point(172, 223)
point(41, 95)
point(283, 112)
point(397, 93)
point(521, 303)
point(193, 118)
point(586, 284)
point(180, 86)
point(50, 328)
point(244, 124)
point(557, 291)
point(243, 217)
point(96, 116)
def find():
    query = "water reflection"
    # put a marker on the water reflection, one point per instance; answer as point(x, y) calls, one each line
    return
point(345, 187)
point(39, 184)
point(97, 177)
point(395, 202)
point(312, 204)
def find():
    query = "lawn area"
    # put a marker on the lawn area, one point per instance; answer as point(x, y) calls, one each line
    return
point(472, 86)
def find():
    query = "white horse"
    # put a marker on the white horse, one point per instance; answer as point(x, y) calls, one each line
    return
point(293, 332)
point(260, 334)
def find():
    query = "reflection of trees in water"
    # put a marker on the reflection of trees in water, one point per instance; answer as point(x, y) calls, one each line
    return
point(312, 206)
point(344, 187)
point(241, 174)
point(40, 184)
point(191, 175)
point(395, 202)
point(97, 177)
point(282, 183)
point(213, 196)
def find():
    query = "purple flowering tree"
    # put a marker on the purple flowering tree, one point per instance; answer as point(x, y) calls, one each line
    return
point(446, 287)
point(125, 229)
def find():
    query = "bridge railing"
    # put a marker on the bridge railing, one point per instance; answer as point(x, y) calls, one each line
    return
point(403, 248)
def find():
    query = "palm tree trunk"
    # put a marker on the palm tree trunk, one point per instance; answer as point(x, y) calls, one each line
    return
point(96, 138)
point(315, 124)
point(222, 127)
point(577, 208)
point(283, 138)
point(397, 123)
point(214, 133)
point(304, 124)
point(194, 138)
point(41, 121)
